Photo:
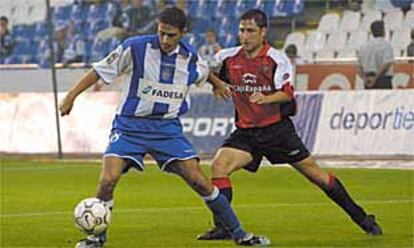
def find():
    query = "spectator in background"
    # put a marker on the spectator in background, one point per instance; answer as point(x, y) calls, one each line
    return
point(292, 52)
point(6, 39)
point(136, 17)
point(211, 46)
point(410, 47)
point(74, 45)
point(375, 60)
point(117, 25)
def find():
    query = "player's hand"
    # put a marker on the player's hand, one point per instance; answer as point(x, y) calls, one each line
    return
point(222, 91)
point(258, 98)
point(65, 106)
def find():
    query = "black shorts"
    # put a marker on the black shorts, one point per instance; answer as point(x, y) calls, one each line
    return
point(278, 142)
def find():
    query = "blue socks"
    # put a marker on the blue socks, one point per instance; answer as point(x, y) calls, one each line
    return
point(220, 206)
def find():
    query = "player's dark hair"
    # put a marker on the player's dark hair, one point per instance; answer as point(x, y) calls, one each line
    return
point(377, 29)
point(4, 18)
point(174, 17)
point(257, 15)
point(291, 50)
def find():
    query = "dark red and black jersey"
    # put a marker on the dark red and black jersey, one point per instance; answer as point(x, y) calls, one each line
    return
point(267, 73)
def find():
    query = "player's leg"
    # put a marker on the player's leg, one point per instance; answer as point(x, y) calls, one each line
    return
point(191, 172)
point(226, 161)
point(335, 190)
point(111, 172)
point(283, 145)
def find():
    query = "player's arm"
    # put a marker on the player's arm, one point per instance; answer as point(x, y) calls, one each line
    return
point(108, 69)
point(84, 83)
point(221, 89)
point(278, 97)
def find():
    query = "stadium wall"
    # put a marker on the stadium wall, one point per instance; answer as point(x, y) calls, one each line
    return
point(331, 123)
point(322, 76)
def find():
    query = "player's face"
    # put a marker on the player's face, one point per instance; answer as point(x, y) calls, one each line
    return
point(251, 36)
point(169, 36)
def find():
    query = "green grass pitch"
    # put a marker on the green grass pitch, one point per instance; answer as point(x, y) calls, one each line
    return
point(154, 209)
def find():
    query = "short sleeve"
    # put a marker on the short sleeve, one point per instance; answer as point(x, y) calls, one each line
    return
point(283, 74)
point(114, 64)
point(216, 62)
point(388, 55)
point(203, 71)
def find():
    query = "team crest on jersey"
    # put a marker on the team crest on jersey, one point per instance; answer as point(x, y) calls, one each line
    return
point(166, 74)
point(114, 137)
point(249, 78)
point(286, 76)
point(111, 58)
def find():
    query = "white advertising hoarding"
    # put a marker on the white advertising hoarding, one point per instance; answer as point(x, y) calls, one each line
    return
point(377, 122)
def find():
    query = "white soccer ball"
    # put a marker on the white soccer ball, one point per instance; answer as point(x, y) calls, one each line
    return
point(92, 216)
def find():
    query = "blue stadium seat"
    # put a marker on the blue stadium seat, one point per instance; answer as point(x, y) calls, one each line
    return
point(201, 25)
point(20, 31)
point(93, 28)
point(192, 7)
point(206, 8)
point(226, 25)
point(225, 8)
point(13, 59)
point(96, 12)
point(111, 10)
point(228, 40)
point(40, 30)
point(78, 13)
point(62, 12)
point(22, 47)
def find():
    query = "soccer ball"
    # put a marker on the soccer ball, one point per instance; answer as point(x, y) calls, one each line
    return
point(92, 216)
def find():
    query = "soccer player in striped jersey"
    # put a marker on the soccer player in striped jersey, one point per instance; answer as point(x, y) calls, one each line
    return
point(260, 79)
point(159, 70)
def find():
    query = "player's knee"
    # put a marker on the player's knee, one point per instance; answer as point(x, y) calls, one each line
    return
point(220, 168)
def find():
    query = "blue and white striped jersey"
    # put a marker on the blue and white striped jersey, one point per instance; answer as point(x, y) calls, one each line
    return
point(156, 84)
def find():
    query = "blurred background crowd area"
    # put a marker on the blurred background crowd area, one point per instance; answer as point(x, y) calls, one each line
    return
point(85, 31)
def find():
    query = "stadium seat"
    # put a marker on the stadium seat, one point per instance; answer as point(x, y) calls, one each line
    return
point(315, 41)
point(22, 47)
point(295, 38)
point(350, 21)
point(225, 8)
point(111, 10)
point(328, 23)
point(357, 39)
point(279, 8)
point(62, 12)
point(347, 52)
point(369, 17)
point(336, 41)
point(393, 20)
point(200, 25)
point(409, 19)
point(227, 40)
point(40, 31)
point(93, 28)
point(204, 8)
point(77, 12)
point(400, 40)
point(13, 59)
point(325, 54)
point(298, 6)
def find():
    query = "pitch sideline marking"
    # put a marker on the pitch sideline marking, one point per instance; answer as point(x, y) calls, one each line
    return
point(271, 205)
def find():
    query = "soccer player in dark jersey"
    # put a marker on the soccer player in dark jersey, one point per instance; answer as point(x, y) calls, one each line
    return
point(260, 79)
